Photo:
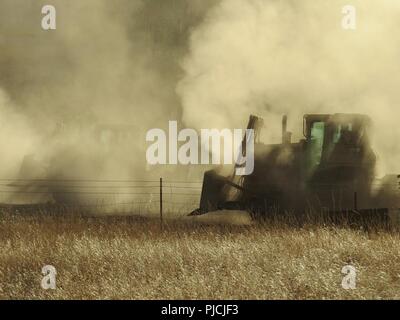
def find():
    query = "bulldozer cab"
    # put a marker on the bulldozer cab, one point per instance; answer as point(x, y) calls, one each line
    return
point(339, 139)
point(337, 151)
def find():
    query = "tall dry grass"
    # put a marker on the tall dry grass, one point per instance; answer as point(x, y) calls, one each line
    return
point(131, 258)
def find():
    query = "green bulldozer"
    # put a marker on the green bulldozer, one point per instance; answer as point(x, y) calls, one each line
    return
point(330, 170)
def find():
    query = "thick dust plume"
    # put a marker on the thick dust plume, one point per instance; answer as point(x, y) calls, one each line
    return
point(108, 65)
point(76, 102)
point(276, 57)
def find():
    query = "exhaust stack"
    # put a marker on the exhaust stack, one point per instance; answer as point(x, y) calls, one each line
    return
point(286, 135)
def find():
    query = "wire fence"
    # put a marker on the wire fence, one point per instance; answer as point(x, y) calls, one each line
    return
point(100, 194)
point(129, 195)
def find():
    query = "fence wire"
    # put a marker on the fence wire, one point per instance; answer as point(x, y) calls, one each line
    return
point(137, 192)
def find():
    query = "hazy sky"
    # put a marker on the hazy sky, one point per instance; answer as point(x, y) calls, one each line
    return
point(204, 63)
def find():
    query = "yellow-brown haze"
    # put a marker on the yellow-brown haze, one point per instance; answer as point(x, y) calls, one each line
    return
point(105, 64)
point(294, 57)
point(121, 64)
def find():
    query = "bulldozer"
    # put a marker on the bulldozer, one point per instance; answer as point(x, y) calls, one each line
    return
point(332, 169)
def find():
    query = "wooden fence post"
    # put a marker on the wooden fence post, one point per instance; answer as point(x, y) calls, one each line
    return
point(161, 205)
point(355, 201)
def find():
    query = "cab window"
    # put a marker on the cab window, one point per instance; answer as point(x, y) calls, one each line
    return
point(317, 142)
point(343, 133)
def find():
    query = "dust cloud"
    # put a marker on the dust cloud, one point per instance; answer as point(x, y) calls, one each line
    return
point(76, 102)
point(293, 57)
point(108, 67)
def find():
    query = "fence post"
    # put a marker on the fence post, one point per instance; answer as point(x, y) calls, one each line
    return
point(355, 201)
point(161, 205)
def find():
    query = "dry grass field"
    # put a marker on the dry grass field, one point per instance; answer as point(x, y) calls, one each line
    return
point(131, 258)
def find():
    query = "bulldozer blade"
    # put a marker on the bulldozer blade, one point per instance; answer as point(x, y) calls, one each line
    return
point(211, 193)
